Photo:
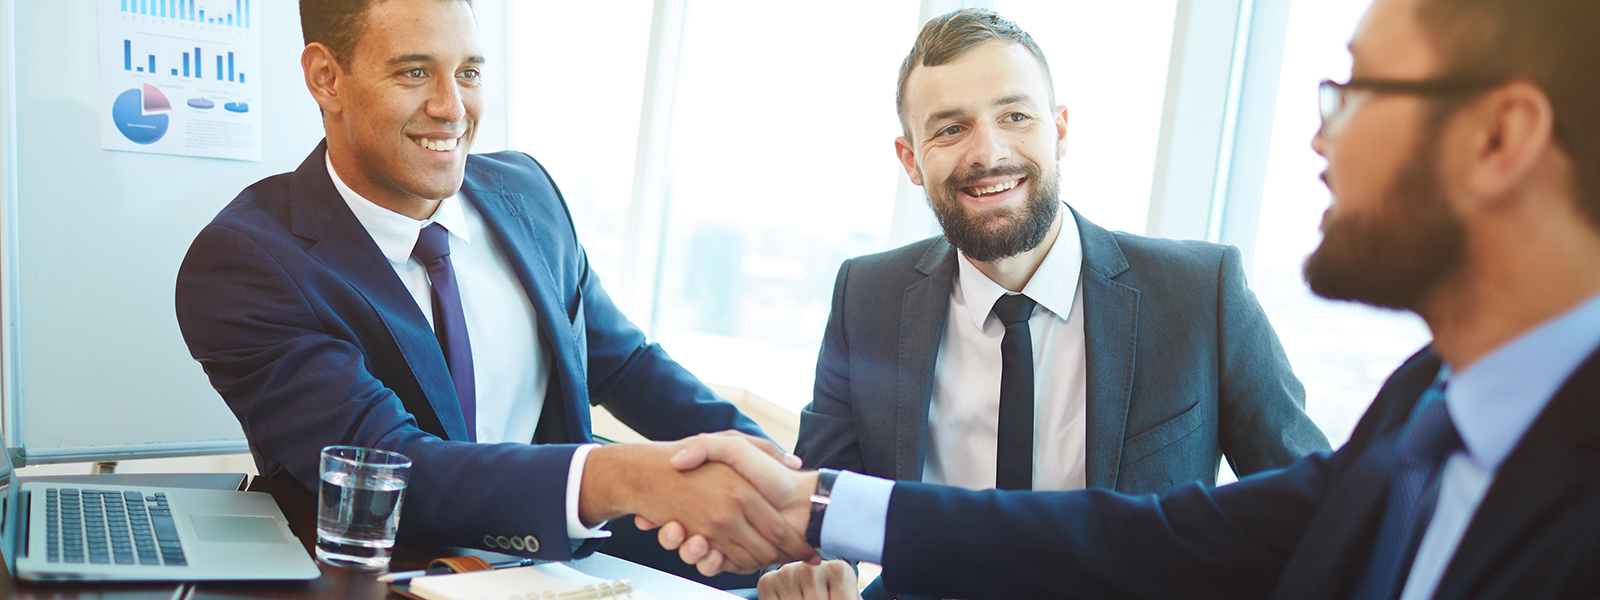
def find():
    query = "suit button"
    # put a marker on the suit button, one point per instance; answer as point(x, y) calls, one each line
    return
point(488, 540)
point(503, 542)
point(531, 543)
point(516, 543)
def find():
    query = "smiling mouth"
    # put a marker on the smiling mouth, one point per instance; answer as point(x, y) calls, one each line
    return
point(444, 145)
point(979, 192)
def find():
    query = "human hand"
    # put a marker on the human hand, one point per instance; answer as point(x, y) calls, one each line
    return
point(830, 580)
point(713, 501)
point(750, 457)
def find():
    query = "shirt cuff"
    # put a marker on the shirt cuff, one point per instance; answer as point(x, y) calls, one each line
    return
point(858, 512)
point(575, 528)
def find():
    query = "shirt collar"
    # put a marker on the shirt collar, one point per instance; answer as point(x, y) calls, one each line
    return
point(396, 234)
point(1494, 402)
point(1054, 285)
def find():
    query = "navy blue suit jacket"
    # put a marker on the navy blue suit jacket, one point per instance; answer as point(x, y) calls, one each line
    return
point(306, 331)
point(1304, 533)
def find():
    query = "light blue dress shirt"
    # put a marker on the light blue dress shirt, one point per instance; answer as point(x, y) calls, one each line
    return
point(1492, 403)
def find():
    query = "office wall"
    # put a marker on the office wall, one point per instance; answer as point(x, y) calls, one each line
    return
point(93, 363)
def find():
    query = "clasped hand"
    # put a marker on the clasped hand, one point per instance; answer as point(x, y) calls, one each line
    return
point(728, 502)
point(770, 472)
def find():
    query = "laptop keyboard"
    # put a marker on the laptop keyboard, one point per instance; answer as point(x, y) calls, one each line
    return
point(105, 527)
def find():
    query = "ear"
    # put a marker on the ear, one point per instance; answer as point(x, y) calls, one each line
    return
point(1061, 132)
point(1512, 131)
point(323, 75)
point(908, 159)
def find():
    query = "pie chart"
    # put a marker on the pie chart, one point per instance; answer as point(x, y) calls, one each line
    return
point(201, 103)
point(238, 107)
point(129, 113)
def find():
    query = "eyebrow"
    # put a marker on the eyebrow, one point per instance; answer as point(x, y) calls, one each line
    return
point(956, 112)
point(413, 58)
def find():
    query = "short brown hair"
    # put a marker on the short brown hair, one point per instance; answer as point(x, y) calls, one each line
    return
point(1549, 43)
point(949, 36)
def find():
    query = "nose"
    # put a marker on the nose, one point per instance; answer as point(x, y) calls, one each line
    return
point(448, 102)
point(987, 147)
point(1319, 144)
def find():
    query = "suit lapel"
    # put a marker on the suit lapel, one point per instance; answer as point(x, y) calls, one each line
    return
point(1110, 328)
point(924, 312)
point(319, 214)
point(503, 213)
point(1549, 467)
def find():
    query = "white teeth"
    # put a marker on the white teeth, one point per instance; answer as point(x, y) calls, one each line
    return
point(996, 188)
point(438, 146)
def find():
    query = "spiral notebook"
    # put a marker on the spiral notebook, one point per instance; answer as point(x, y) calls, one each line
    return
point(539, 582)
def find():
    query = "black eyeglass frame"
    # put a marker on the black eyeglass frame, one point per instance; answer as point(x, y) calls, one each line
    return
point(1333, 97)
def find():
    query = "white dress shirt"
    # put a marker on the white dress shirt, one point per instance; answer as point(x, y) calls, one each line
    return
point(964, 412)
point(510, 367)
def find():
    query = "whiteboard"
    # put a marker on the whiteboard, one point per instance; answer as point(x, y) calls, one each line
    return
point(92, 364)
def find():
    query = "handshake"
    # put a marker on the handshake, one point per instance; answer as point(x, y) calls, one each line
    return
point(725, 501)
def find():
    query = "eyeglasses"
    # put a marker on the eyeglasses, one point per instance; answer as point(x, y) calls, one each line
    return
point(1335, 98)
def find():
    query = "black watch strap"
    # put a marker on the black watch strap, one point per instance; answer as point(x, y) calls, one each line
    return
point(819, 505)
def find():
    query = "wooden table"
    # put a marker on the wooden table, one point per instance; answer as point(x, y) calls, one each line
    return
point(300, 506)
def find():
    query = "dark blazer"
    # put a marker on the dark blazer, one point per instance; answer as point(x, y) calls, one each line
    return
point(1183, 366)
point(1303, 533)
point(311, 338)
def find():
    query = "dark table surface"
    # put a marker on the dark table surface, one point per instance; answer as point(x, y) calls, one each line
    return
point(299, 505)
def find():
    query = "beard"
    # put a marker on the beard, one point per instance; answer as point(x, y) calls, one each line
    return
point(1000, 233)
point(1396, 256)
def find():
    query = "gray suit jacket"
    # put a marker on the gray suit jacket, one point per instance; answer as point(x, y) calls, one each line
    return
point(1182, 365)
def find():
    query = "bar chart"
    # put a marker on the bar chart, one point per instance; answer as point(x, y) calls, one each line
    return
point(143, 62)
point(227, 13)
point(205, 54)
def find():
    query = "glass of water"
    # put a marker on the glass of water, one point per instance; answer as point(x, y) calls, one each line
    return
point(358, 508)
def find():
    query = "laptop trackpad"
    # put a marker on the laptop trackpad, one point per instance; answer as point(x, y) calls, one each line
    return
point(237, 528)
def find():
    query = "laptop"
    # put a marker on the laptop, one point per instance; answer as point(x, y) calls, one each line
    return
point(81, 532)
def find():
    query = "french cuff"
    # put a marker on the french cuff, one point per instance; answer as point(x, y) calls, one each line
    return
point(575, 528)
point(858, 512)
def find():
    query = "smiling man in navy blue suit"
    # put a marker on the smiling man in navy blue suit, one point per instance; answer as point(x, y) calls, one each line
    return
point(1464, 159)
point(307, 309)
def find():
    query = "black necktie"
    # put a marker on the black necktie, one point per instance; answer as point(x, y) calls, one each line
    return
point(1428, 439)
point(1014, 456)
point(449, 320)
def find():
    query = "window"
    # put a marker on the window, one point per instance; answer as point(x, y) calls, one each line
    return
point(579, 76)
point(1109, 62)
point(1342, 352)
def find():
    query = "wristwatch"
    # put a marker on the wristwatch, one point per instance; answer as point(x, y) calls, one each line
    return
point(819, 505)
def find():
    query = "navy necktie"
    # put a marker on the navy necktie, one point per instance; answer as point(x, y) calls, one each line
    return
point(1014, 448)
point(1428, 439)
point(449, 320)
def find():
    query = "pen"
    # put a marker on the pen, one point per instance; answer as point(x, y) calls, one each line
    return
point(407, 575)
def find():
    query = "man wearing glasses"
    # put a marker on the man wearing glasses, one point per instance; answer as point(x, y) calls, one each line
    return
point(1464, 160)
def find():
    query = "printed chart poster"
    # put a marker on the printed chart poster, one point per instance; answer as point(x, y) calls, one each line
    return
point(180, 77)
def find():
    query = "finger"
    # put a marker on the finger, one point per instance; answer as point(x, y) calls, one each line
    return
point(775, 481)
point(841, 580)
point(643, 524)
point(692, 455)
point(712, 565)
point(694, 550)
point(670, 536)
point(767, 587)
point(765, 445)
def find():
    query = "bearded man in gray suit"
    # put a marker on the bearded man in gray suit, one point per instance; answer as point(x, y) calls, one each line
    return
point(1150, 358)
